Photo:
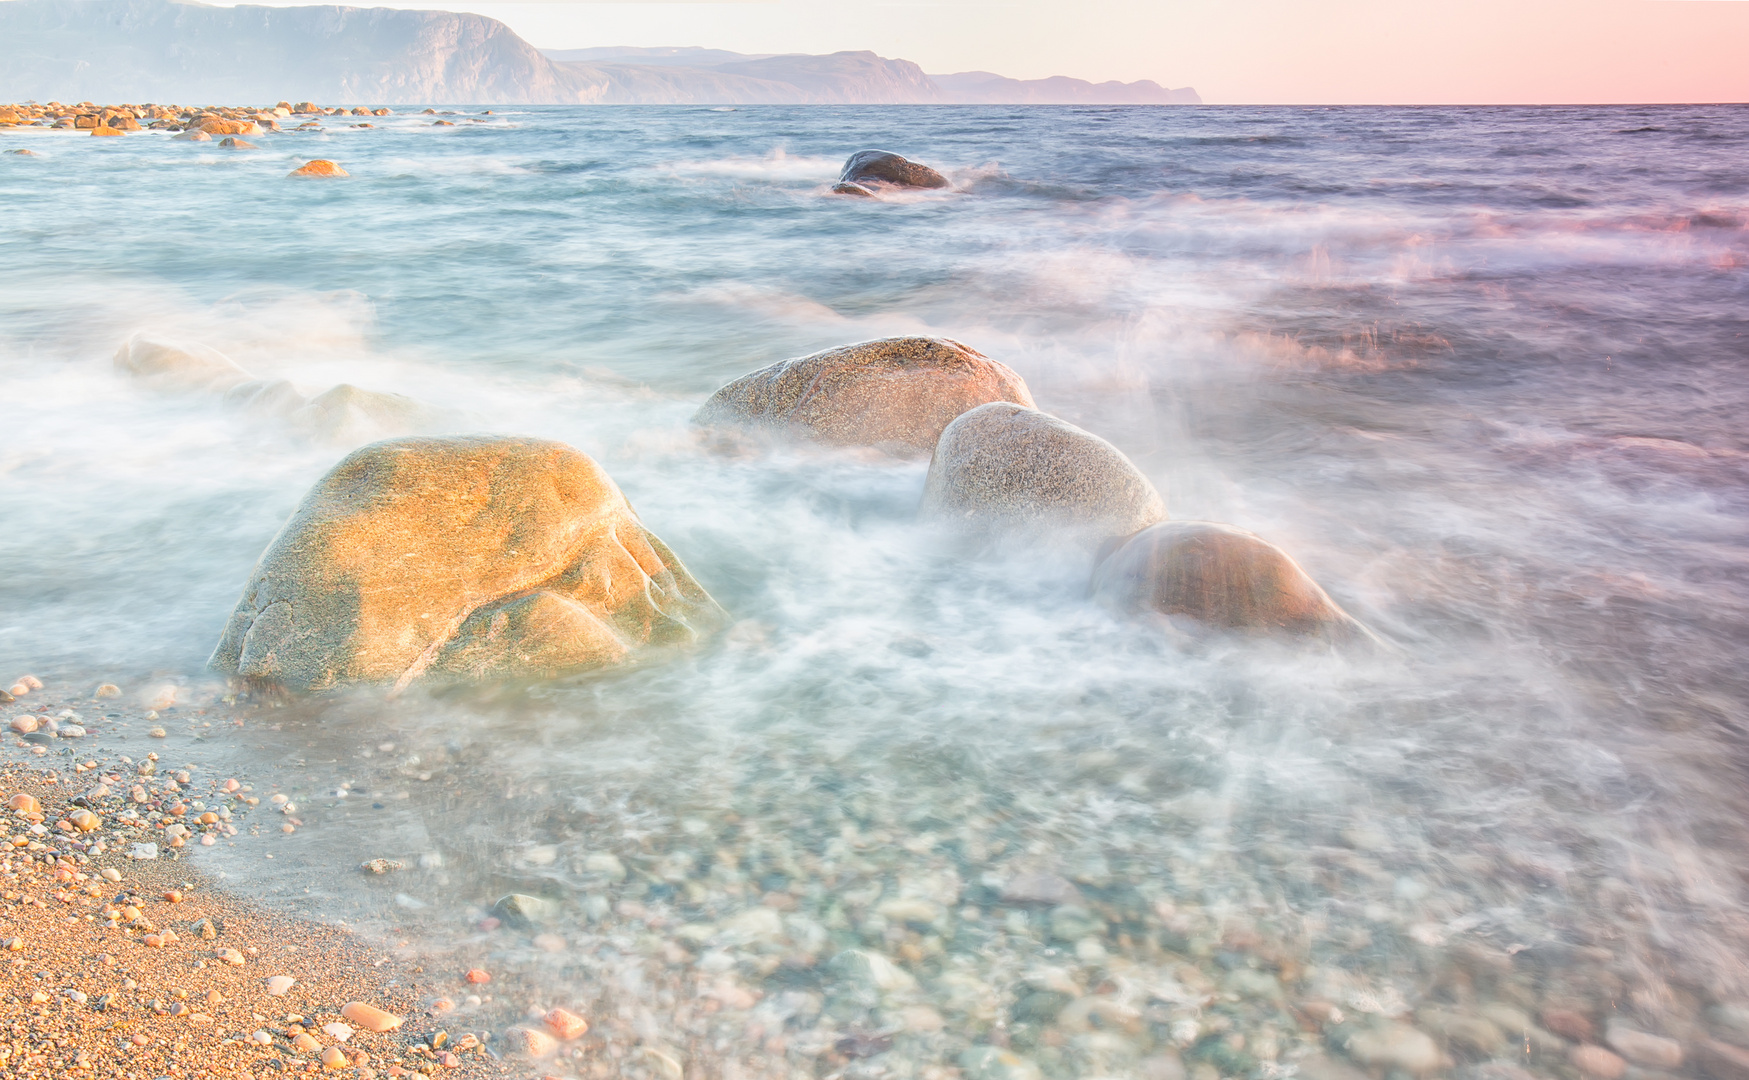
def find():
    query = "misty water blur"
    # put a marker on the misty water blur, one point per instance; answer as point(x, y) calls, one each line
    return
point(1480, 371)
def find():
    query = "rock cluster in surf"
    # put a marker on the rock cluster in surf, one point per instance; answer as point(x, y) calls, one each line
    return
point(114, 119)
point(1000, 467)
point(463, 558)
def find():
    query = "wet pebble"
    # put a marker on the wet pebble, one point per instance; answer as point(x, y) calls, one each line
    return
point(1595, 1061)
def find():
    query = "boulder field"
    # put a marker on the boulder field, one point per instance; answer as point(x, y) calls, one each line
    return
point(460, 558)
point(894, 394)
point(869, 171)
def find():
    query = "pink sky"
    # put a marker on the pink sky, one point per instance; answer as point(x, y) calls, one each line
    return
point(1289, 51)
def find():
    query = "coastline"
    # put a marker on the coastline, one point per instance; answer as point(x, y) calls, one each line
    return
point(125, 966)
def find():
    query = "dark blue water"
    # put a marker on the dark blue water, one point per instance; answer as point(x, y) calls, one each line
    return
point(1483, 371)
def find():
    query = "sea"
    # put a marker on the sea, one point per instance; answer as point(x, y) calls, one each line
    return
point(924, 810)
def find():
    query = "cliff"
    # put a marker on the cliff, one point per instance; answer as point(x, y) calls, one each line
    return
point(161, 50)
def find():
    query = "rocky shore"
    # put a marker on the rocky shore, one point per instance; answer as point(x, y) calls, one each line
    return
point(217, 120)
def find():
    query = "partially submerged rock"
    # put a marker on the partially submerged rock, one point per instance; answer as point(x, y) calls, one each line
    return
point(174, 366)
point(346, 413)
point(896, 394)
point(462, 557)
point(320, 167)
point(869, 170)
point(1001, 467)
point(1221, 576)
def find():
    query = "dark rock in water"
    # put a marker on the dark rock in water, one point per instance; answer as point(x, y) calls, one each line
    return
point(24, 153)
point(467, 557)
point(896, 394)
point(1001, 467)
point(870, 167)
point(1221, 576)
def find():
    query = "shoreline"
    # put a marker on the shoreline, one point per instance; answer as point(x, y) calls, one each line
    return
point(126, 959)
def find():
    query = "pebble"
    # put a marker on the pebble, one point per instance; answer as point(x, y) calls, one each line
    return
point(262, 1038)
point(108, 690)
point(1643, 1048)
point(369, 1017)
point(337, 1030)
point(1570, 1024)
point(1396, 1046)
point(566, 1024)
point(279, 984)
point(110, 873)
point(1722, 1060)
point(476, 976)
point(306, 1042)
point(229, 956)
point(156, 733)
point(24, 725)
point(334, 1058)
point(529, 1042)
point(24, 804)
point(1595, 1061)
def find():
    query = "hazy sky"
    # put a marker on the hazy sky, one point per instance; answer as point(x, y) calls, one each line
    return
point(1290, 51)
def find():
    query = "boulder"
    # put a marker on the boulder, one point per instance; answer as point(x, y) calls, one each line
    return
point(319, 167)
point(1221, 576)
point(106, 131)
point(171, 366)
point(1000, 467)
point(237, 144)
point(24, 153)
point(345, 413)
point(218, 125)
point(464, 558)
point(896, 394)
point(869, 170)
point(265, 397)
point(193, 136)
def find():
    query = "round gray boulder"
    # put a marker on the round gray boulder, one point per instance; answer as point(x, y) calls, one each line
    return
point(1002, 466)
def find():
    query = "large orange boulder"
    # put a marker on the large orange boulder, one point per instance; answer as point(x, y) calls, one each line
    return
point(319, 167)
point(458, 558)
point(896, 394)
point(1220, 576)
point(1002, 467)
point(219, 125)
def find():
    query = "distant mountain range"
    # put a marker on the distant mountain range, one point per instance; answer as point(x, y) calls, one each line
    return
point(187, 53)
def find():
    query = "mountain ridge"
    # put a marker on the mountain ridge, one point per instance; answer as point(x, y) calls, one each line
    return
point(168, 50)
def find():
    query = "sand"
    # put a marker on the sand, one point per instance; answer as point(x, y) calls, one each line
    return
point(181, 990)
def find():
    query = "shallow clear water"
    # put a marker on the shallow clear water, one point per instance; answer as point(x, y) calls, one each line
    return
point(1482, 371)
